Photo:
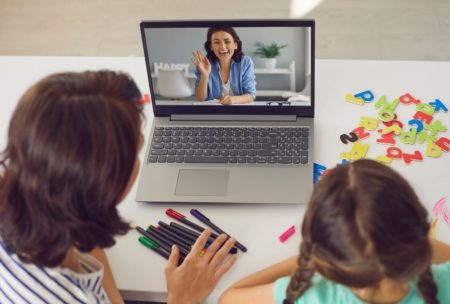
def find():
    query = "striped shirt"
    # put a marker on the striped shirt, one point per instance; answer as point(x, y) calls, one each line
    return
point(26, 283)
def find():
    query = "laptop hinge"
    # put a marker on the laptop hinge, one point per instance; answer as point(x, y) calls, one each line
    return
point(183, 117)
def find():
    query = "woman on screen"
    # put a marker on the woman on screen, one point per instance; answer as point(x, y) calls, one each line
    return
point(225, 73)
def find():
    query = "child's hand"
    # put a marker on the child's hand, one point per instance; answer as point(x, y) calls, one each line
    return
point(196, 277)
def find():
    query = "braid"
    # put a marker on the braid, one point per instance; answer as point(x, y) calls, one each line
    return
point(301, 280)
point(428, 287)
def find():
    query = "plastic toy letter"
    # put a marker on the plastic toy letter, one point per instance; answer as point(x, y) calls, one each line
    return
point(438, 105)
point(387, 111)
point(369, 123)
point(358, 151)
point(350, 98)
point(407, 99)
point(367, 96)
point(433, 150)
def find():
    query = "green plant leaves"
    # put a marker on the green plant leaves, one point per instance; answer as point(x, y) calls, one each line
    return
point(268, 51)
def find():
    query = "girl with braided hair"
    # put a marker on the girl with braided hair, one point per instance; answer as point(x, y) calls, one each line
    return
point(364, 240)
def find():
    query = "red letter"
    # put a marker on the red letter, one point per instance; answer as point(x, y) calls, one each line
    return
point(360, 133)
point(443, 143)
point(407, 158)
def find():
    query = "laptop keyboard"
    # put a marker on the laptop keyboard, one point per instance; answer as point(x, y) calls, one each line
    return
point(230, 145)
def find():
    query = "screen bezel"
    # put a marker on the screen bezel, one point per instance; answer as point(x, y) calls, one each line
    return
point(167, 110)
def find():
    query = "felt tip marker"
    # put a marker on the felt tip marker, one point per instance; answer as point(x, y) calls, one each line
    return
point(173, 235)
point(160, 239)
point(153, 246)
point(193, 235)
point(186, 236)
point(169, 238)
point(202, 218)
point(287, 234)
point(163, 245)
point(180, 217)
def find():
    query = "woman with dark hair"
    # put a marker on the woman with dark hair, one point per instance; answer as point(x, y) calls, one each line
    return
point(225, 73)
point(71, 157)
point(364, 240)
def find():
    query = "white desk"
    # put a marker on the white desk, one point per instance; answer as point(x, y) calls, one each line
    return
point(139, 272)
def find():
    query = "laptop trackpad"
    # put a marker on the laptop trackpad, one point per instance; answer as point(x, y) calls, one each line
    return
point(202, 182)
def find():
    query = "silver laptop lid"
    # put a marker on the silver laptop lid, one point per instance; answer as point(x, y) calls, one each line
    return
point(283, 85)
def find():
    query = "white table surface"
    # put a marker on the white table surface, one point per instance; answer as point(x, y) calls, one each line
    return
point(139, 273)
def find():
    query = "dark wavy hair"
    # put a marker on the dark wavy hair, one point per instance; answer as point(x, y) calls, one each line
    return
point(72, 145)
point(237, 55)
point(364, 223)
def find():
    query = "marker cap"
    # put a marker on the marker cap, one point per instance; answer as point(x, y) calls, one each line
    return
point(172, 213)
point(287, 234)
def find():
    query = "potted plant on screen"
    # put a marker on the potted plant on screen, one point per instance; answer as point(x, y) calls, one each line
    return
point(269, 52)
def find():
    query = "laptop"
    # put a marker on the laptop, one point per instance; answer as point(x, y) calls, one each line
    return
point(259, 148)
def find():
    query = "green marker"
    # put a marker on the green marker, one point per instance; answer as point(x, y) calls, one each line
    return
point(154, 246)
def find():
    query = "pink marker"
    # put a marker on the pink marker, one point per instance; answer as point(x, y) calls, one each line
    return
point(287, 234)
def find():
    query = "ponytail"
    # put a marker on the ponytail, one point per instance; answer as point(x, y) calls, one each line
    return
point(428, 287)
point(301, 280)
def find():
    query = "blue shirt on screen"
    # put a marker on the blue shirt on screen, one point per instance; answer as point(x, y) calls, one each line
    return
point(242, 78)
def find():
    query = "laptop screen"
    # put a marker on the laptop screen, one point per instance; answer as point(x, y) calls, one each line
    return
point(230, 67)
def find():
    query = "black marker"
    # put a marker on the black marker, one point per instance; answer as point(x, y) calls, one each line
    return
point(207, 222)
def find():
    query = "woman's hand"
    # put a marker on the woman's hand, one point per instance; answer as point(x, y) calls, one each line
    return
point(227, 100)
point(236, 99)
point(201, 62)
point(196, 277)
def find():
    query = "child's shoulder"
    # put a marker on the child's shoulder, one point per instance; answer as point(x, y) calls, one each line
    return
point(441, 276)
point(321, 290)
point(441, 273)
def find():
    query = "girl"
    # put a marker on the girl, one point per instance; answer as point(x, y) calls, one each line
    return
point(364, 240)
point(71, 157)
point(225, 73)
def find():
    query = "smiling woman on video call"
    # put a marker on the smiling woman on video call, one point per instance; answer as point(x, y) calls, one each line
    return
point(225, 73)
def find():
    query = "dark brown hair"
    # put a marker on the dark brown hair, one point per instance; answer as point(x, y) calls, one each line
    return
point(364, 223)
point(72, 145)
point(237, 55)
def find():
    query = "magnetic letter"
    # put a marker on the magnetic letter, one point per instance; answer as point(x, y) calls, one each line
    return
point(438, 105)
point(423, 117)
point(443, 143)
point(416, 122)
point(425, 108)
point(349, 98)
point(369, 123)
point(318, 172)
point(387, 111)
point(396, 129)
point(433, 150)
point(367, 96)
point(423, 136)
point(351, 137)
point(407, 99)
point(358, 151)
point(408, 137)
point(435, 127)
point(394, 152)
point(387, 139)
point(360, 133)
point(393, 122)
point(408, 158)
point(383, 159)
